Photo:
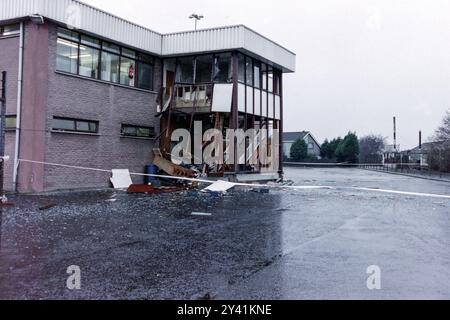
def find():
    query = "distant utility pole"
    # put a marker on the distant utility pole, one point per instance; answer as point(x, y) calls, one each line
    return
point(197, 18)
point(395, 134)
point(420, 148)
point(2, 134)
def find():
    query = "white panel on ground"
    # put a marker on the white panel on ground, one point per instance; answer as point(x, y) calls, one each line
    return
point(271, 111)
point(264, 104)
point(257, 102)
point(223, 95)
point(121, 179)
point(219, 186)
point(277, 107)
point(249, 100)
point(241, 97)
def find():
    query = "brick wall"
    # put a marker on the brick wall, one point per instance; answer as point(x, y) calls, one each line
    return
point(9, 62)
point(74, 97)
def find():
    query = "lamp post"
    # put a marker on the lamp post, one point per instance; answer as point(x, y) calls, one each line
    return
point(196, 17)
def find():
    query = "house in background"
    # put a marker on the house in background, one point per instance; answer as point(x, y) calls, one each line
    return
point(419, 154)
point(289, 138)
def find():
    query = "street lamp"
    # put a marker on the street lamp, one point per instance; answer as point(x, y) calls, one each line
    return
point(197, 18)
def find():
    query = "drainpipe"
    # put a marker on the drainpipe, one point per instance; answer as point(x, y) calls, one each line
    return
point(19, 107)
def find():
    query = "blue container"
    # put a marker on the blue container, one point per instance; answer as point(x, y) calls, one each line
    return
point(151, 169)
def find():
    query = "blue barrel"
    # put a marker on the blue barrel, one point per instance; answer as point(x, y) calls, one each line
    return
point(151, 169)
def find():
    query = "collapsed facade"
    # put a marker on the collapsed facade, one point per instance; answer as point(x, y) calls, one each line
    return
point(88, 89)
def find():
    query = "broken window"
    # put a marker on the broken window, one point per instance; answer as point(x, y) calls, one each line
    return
point(257, 74)
point(264, 76)
point(270, 79)
point(241, 68)
point(136, 131)
point(203, 69)
point(223, 68)
point(185, 70)
point(145, 76)
point(249, 71)
point(277, 82)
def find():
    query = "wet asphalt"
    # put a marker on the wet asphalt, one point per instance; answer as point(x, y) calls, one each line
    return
point(287, 244)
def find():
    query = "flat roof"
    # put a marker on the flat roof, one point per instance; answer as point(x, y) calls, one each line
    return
point(87, 18)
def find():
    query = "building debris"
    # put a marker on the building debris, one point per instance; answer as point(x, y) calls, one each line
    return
point(201, 214)
point(148, 189)
point(171, 168)
point(46, 207)
point(121, 179)
point(220, 186)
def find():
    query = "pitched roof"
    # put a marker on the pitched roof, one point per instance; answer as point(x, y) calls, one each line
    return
point(427, 146)
point(294, 136)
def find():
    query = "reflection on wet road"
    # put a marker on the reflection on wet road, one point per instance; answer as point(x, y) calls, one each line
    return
point(294, 244)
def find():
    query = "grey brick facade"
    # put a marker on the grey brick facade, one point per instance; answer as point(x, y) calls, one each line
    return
point(111, 105)
point(64, 95)
point(9, 62)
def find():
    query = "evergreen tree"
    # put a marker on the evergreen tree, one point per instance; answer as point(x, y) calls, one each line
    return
point(299, 150)
point(348, 149)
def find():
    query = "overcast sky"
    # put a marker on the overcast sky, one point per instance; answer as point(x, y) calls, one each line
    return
point(359, 62)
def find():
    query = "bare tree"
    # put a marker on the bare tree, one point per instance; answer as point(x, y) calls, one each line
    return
point(439, 155)
point(371, 148)
point(443, 132)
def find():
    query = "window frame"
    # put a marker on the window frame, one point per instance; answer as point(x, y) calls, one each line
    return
point(75, 123)
point(10, 128)
point(152, 131)
point(14, 33)
point(266, 82)
point(101, 47)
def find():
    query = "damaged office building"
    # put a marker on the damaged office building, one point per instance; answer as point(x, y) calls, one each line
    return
point(87, 89)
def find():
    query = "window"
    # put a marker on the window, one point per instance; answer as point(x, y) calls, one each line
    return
point(10, 30)
point(264, 76)
point(249, 71)
point(145, 58)
point(128, 53)
point(185, 72)
point(257, 74)
point(127, 71)
point(203, 69)
point(136, 131)
point(222, 68)
point(10, 122)
point(277, 82)
point(68, 34)
point(241, 68)
point(88, 62)
point(92, 58)
point(110, 67)
point(270, 79)
point(110, 47)
point(145, 76)
point(73, 125)
point(67, 56)
point(90, 42)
